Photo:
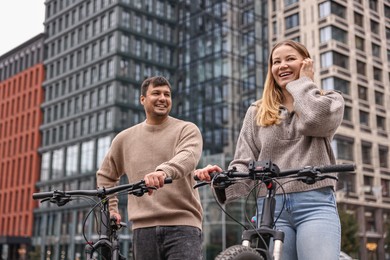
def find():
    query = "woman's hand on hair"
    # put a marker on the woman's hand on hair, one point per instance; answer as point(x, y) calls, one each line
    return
point(307, 69)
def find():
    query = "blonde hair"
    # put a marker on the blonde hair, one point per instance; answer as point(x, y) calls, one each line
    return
point(268, 106)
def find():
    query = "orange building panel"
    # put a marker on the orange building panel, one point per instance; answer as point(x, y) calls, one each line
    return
point(20, 118)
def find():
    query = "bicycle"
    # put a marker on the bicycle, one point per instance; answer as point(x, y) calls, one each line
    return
point(107, 245)
point(255, 241)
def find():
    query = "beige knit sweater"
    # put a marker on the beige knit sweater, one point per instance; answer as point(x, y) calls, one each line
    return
point(303, 138)
point(174, 147)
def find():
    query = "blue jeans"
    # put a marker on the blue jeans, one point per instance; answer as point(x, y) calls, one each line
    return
point(311, 225)
point(167, 243)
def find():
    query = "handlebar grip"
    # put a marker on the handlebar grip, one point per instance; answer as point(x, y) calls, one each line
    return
point(168, 180)
point(212, 174)
point(337, 168)
point(42, 195)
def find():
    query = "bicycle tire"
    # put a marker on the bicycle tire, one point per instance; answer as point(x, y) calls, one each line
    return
point(239, 252)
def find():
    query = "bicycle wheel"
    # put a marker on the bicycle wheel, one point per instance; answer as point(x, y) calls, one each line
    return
point(239, 252)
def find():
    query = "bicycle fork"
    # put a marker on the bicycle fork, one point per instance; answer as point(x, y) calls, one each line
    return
point(266, 230)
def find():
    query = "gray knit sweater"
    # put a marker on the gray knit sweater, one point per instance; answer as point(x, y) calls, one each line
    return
point(174, 147)
point(303, 138)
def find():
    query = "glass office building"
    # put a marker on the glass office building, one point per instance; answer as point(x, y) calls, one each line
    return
point(214, 52)
point(98, 53)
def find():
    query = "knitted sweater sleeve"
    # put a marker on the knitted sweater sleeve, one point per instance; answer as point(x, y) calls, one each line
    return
point(247, 149)
point(320, 114)
point(108, 174)
point(187, 153)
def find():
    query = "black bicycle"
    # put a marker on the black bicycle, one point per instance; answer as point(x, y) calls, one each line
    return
point(255, 241)
point(107, 245)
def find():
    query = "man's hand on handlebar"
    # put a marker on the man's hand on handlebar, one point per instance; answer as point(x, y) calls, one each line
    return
point(116, 216)
point(155, 180)
point(204, 173)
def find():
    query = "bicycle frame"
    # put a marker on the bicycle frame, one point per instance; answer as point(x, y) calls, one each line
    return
point(108, 242)
point(108, 237)
point(267, 173)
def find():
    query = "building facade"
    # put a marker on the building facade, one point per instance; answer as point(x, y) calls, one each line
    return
point(21, 94)
point(350, 44)
point(98, 53)
point(215, 54)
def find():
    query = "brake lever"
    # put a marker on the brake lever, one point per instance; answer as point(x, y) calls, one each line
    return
point(200, 184)
point(59, 197)
point(139, 192)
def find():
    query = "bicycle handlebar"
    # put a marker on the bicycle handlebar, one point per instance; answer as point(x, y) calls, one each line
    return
point(138, 189)
point(322, 169)
point(265, 170)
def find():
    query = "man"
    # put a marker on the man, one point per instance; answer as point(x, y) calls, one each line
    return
point(167, 224)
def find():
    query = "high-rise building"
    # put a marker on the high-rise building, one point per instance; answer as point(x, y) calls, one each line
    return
point(214, 52)
point(350, 44)
point(98, 53)
point(222, 53)
point(21, 95)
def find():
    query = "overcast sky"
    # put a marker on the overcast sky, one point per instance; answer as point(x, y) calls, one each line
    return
point(20, 20)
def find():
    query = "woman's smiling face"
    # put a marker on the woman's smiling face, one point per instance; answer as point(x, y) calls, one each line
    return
point(286, 65)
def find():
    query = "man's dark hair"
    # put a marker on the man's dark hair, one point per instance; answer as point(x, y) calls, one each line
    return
point(155, 81)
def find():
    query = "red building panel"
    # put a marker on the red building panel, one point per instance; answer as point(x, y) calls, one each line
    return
point(20, 118)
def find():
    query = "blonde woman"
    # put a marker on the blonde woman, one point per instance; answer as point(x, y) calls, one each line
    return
point(293, 126)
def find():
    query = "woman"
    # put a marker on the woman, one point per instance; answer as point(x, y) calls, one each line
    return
point(293, 126)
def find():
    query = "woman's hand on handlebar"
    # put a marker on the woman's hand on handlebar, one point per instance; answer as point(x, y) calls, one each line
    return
point(155, 180)
point(204, 173)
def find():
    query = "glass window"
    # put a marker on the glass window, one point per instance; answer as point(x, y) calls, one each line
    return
point(292, 21)
point(388, 33)
point(385, 184)
point(109, 119)
point(149, 26)
point(379, 98)
point(358, 18)
point(387, 10)
point(45, 166)
point(72, 159)
point(368, 185)
point(376, 50)
point(103, 144)
point(383, 156)
point(126, 19)
point(110, 93)
point(334, 58)
point(290, 2)
point(359, 43)
point(58, 163)
point(347, 114)
point(361, 68)
point(87, 156)
point(374, 26)
point(101, 121)
point(381, 123)
point(331, 32)
point(110, 68)
point(377, 73)
point(366, 153)
point(364, 118)
point(138, 47)
point(343, 148)
point(362, 93)
point(373, 5)
point(336, 83)
point(247, 17)
point(137, 23)
point(125, 43)
point(329, 7)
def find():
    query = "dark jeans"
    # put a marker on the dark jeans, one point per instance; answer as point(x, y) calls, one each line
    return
point(167, 243)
